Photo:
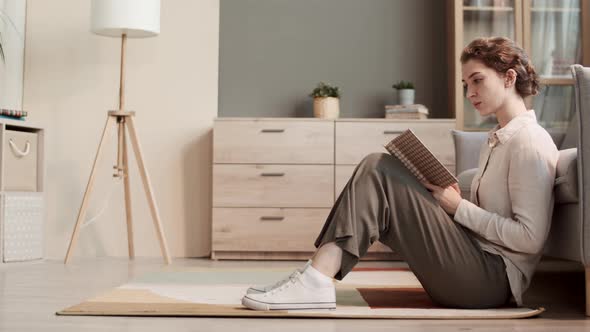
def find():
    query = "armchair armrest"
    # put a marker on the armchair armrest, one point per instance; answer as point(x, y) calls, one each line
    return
point(566, 177)
point(465, 178)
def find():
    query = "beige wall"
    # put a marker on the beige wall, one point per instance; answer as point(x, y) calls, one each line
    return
point(71, 80)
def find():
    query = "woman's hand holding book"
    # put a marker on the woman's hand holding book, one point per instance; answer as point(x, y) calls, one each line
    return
point(448, 198)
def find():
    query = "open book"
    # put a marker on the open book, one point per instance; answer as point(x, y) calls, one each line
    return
point(419, 160)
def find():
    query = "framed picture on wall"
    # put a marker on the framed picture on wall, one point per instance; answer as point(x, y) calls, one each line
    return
point(12, 39)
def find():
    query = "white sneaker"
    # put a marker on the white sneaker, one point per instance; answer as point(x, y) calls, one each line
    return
point(263, 289)
point(293, 294)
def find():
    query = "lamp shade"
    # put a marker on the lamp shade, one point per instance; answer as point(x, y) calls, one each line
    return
point(134, 18)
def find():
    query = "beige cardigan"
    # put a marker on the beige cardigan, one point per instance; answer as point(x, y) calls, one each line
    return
point(512, 197)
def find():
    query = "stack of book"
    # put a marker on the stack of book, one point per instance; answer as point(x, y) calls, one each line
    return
point(406, 112)
point(12, 114)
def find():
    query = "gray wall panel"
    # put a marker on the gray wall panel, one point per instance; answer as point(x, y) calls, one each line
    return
point(274, 52)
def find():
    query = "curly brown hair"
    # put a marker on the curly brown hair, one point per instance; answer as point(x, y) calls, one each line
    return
point(501, 54)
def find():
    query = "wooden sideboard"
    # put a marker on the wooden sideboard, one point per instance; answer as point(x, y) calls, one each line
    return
point(275, 179)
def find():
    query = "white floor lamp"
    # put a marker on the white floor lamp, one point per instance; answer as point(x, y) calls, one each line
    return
point(125, 19)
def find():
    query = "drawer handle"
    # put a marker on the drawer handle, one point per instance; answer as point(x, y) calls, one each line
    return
point(271, 218)
point(17, 151)
point(272, 130)
point(393, 132)
point(272, 174)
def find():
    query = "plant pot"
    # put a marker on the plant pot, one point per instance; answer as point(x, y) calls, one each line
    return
point(326, 107)
point(406, 96)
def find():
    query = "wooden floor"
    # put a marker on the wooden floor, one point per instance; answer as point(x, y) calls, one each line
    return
point(31, 293)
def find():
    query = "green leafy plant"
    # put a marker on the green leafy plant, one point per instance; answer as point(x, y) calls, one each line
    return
point(9, 24)
point(325, 90)
point(1, 49)
point(401, 85)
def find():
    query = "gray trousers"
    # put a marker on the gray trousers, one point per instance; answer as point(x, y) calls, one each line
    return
point(384, 202)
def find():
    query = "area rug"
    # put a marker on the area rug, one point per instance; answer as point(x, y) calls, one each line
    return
point(386, 293)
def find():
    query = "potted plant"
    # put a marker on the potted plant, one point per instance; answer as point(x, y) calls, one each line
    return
point(326, 102)
point(405, 92)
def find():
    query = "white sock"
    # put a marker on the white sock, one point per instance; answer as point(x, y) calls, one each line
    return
point(315, 278)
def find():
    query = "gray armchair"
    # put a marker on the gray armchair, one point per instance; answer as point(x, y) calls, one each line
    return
point(569, 237)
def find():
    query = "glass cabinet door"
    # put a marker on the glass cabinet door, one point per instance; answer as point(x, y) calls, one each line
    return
point(554, 37)
point(552, 30)
point(554, 106)
point(485, 18)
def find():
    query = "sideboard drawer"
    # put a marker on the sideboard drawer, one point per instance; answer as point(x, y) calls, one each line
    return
point(344, 172)
point(273, 185)
point(273, 142)
point(354, 140)
point(270, 230)
point(20, 161)
point(256, 229)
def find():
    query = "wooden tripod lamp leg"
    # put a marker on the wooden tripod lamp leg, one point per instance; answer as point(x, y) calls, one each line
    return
point(148, 188)
point(127, 191)
point(82, 213)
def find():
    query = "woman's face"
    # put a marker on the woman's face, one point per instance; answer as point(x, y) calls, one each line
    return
point(484, 87)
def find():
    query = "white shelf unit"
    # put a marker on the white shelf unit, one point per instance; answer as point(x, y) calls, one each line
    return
point(22, 202)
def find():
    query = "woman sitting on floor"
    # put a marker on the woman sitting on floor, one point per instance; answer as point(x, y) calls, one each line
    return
point(476, 253)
